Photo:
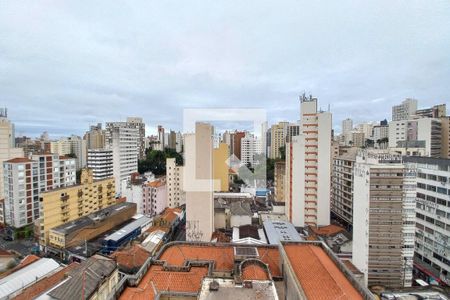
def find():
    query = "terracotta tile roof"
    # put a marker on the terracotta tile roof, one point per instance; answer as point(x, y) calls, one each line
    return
point(156, 183)
point(254, 272)
point(131, 259)
point(5, 253)
point(315, 270)
point(157, 280)
point(328, 230)
point(178, 254)
point(222, 255)
point(170, 214)
point(45, 284)
point(19, 160)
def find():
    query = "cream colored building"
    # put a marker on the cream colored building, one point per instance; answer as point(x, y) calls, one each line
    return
point(62, 205)
point(445, 140)
point(7, 143)
point(220, 168)
point(278, 138)
point(95, 137)
point(384, 190)
point(198, 183)
point(308, 168)
point(174, 182)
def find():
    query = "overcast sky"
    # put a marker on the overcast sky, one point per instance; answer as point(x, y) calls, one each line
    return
point(65, 66)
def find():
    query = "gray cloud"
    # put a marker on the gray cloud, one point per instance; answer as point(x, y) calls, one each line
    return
point(64, 65)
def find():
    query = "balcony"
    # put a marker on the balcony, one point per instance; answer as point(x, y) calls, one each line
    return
point(65, 198)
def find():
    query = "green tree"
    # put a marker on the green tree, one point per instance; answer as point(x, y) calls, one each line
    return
point(155, 161)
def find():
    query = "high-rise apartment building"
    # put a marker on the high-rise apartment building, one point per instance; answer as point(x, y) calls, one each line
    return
point(436, 111)
point(235, 145)
point(432, 250)
point(123, 140)
point(383, 218)
point(140, 126)
point(95, 137)
point(278, 133)
point(445, 137)
point(174, 182)
point(250, 146)
point(73, 145)
point(293, 130)
point(428, 130)
point(7, 144)
point(308, 168)
point(380, 133)
point(405, 110)
point(70, 203)
point(198, 183)
point(26, 178)
point(160, 142)
point(342, 188)
point(172, 141)
point(358, 139)
point(179, 142)
point(398, 131)
point(347, 125)
point(100, 161)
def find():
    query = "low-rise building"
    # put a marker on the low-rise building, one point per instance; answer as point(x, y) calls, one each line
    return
point(95, 278)
point(304, 270)
point(14, 283)
point(83, 229)
point(281, 231)
point(154, 197)
point(67, 204)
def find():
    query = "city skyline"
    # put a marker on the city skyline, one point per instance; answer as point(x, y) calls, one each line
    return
point(154, 67)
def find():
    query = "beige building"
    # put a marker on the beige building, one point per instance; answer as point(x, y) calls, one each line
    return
point(95, 137)
point(78, 231)
point(279, 176)
point(445, 140)
point(278, 138)
point(174, 182)
point(358, 139)
point(198, 183)
point(62, 205)
point(220, 168)
point(7, 145)
point(308, 168)
point(384, 218)
point(342, 187)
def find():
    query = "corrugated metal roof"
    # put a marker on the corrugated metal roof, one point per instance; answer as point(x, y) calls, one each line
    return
point(85, 279)
point(277, 231)
point(27, 275)
point(142, 221)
